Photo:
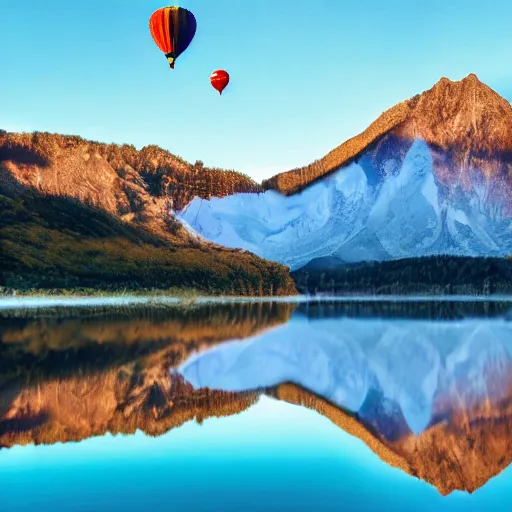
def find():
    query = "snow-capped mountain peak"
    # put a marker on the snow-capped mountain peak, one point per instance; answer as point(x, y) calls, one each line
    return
point(357, 214)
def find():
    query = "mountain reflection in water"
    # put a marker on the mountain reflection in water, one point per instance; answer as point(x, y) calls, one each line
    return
point(427, 386)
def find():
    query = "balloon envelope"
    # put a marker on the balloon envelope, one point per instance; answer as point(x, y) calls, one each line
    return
point(172, 29)
point(219, 79)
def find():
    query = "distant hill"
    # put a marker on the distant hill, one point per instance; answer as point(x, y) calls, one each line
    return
point(426, 276)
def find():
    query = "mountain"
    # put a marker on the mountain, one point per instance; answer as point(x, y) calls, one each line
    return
point(466, 124)
point(76, 213)
point(117, 178)
point(431, 176)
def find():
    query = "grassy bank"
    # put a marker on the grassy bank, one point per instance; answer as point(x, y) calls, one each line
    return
point(180, 293)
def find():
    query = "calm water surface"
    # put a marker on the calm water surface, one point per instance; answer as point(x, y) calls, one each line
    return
point(268, 406)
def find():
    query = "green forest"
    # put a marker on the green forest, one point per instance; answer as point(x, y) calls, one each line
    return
point(441, 275)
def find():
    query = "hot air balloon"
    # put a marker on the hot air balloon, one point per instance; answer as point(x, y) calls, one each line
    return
point(172, 29)
point(219, 79)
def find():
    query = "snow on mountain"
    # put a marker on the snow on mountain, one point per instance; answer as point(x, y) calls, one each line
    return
point(403, 365)
point(406, 216)
point(360, 213)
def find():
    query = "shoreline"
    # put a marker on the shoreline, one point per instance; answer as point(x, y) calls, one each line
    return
point(44, 301)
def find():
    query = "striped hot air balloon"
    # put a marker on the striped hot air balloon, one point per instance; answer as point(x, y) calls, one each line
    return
point(172, 29)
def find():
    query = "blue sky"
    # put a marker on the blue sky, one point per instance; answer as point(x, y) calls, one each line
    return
point(305, 75)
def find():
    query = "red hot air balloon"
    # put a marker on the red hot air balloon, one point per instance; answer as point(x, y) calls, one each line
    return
point(219, 79)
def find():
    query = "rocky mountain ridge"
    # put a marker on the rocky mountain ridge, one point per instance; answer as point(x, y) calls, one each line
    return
point(466, 124)
point(136, 186)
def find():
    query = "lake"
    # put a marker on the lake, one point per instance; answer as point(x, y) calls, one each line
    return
point(305, 405)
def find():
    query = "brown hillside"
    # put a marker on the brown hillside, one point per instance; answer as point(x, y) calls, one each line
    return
point(56, 163)
point(55, 242)
point(466, 124)
point(117, 401)
point(80, 214)
point(136, 186)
